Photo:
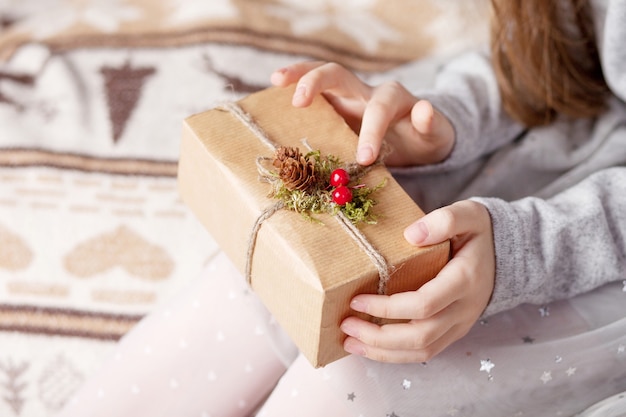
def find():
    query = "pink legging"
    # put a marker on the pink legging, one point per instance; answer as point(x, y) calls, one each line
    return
point(208, 353)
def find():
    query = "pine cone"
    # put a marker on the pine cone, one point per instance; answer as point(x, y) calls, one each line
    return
point(283, 153)
point(296, 172)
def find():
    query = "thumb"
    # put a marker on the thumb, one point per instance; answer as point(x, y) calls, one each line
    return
point(434, 128)
point(427, 121)
point(444, 223)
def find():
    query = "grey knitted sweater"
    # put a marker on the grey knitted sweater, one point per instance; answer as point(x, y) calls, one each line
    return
point(556, 194)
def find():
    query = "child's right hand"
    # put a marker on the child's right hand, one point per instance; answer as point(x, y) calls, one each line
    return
point(418, 134)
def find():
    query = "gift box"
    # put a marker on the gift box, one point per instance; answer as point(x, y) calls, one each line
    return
point(304, 269)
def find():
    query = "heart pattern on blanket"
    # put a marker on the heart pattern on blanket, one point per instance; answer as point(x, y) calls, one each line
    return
point(14, 252)
point(121, 248)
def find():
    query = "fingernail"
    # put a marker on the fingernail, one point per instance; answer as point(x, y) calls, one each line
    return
point(352, 346)
point(277, 76)
point(358, 305)
point(349, 330)
point(364, 154)
point(300, 93)
point(416, 233)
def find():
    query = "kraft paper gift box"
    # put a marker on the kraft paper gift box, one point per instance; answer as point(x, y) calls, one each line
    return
point(305, 272)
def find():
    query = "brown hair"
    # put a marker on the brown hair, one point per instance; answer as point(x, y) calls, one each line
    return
point(546, 60)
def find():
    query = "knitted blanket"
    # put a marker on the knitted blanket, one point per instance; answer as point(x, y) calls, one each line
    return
point(93, 234)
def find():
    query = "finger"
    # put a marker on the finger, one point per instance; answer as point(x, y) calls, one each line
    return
point(331, 79)
point(388, 102)
point(435, 131)
point(422, 116)
point(428, 122)
point(447, 222)
point(285, 76)
point(355, 346)
point(432, 297)
point(412, 335)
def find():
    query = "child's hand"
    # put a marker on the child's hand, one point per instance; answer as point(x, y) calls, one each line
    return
point(442, 310)
point(417, 133)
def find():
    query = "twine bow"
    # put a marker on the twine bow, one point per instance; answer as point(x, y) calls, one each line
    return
point(379, 261)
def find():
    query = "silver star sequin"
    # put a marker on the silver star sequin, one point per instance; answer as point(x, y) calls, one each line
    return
point(486, 365)
point(351, 396)
point(406, 384)
point(546, 377)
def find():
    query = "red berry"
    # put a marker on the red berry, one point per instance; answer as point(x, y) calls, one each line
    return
point(342, 195)
point(339, 177)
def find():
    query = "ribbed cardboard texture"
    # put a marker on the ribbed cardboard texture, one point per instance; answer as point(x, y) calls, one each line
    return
point(304, 272)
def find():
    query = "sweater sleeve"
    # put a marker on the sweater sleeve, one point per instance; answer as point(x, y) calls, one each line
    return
point(466, 92)
point(558, 248)
point(609, 20)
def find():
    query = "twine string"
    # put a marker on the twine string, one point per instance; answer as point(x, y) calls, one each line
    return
point(248, 122)
point(267, 213)
point(264, 173)
point(379, 261)
point(375, 256)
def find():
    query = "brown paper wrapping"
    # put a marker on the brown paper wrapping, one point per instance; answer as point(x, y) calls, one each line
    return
point(304, 272)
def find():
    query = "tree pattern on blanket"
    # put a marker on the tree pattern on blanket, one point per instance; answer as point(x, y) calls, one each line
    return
point(13, 384)
point(123, 89)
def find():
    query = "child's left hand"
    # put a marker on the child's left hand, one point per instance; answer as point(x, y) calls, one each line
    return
point(416, 132)
point(444, 309)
